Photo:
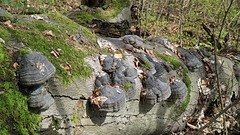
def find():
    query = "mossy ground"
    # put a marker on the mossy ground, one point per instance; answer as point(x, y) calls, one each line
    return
point(16, 118)
point(72, 52)
point(176, 64)
point(107, 11)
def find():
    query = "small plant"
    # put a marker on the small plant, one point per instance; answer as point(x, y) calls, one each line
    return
point(127, 86)
point(22, 51)
point(146, 64)
point(76, 119)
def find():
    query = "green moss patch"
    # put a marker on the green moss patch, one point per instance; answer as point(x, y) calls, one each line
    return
point(14, 113)
point(38, 41)
point(82, 17)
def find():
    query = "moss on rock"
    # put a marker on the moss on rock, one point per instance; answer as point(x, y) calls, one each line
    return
point(176, 64)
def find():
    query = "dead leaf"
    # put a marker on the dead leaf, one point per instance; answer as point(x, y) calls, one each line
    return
point(192, 126)
point(38, 17)
point(67, 67)
point(55, 53)
point(7, 22)
point(73, 38)
point(15, 65)
point(116, 86)
point(68, 33)
point(119, 56)
point(167, 53)
point(48, 33)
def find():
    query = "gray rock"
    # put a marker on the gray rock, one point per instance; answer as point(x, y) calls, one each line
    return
point(116, 99)
point(236, 69)
point(36, 69)
point(159, 40)
point(205, 52)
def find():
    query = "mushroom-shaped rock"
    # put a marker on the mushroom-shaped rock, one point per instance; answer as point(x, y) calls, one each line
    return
point(36, 69)
point(134, 40)
point(36, 97)
point(39, 98)
point(192, 62)
point(118, 78)
point(163, 41)
point(165, 90)
point(130, 88)
point(131, 72)
point(178, 89)
point(159, 88)
point(150, 97)
point(144, 62)
point(158, 67)
point(102, 79)
point(115, 99)
point(49, 101)
point(159, 40)
point(107, 62)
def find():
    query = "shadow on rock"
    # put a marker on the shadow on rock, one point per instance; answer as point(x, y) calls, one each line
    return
point(144, 107)
point(96, 116)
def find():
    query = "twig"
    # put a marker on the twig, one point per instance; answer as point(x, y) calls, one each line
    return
point(226, 12)
point(181, 22)
point(217, 75)
point(218, 115)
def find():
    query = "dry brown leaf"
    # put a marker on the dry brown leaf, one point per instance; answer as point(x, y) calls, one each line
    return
point(15, 65)
point(7, 22)
point(38, 18)
point(119, 56)
point(143, 92)
point(67, 67)
point(192, 126)
point(73, 38)
point(140, 76)
point(147, 51)
point(101, 62)
point(54, 54)
point(167, 53)
point(116, 86)
point(137, 63)
point(48, 33)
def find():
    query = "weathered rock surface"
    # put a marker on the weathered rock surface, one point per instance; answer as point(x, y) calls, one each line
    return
point(136, 117)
